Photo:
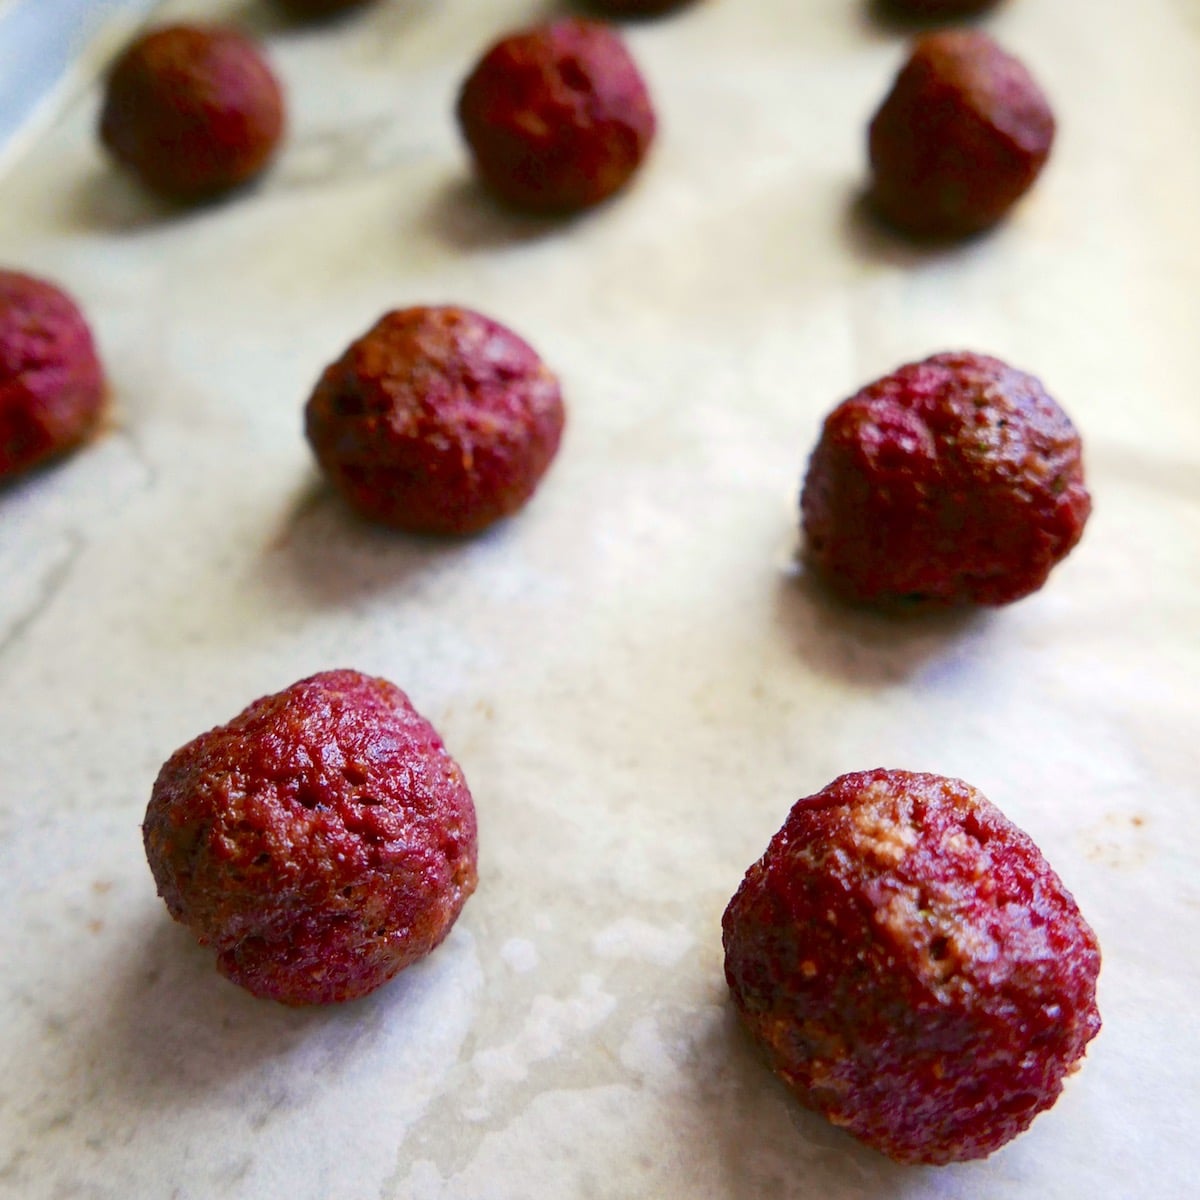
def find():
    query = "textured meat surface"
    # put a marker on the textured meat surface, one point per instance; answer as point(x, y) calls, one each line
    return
point(957, 480)
point(960, 138)
point(438, 420)
point(51, 380)
point(192, 110)
point(320, 842)
point(557, 117)
point(912, 966)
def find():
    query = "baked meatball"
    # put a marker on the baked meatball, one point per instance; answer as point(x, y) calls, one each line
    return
point(51, 381)
point(956, 480)
point(320, 842)
point(960, 138)
point(438, 420)
point(912, 967)
point(557, 117)
point(192, 111)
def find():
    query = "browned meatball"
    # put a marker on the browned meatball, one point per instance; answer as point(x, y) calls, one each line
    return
point(51, 381)
point(960, 138)
point(557, 117)
point(192, 111)
point(956, 480)
point(321, 841)
point(913, 968)
point(437, 420)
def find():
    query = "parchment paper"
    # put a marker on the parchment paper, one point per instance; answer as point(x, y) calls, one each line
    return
point(635, 676)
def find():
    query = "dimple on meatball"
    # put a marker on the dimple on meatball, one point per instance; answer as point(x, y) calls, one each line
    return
point(557, 117)
point(960, 138)
point(320, 842)
point(438, 420)
point(912, 967)
point(952, 481)
point(51, 381)
point(192, 111)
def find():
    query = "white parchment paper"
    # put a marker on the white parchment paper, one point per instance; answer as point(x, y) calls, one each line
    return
point(634, 675)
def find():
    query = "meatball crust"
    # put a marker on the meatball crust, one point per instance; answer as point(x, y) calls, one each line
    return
point(51, 380)
point(956, 480)
point(321, 841)
point(960, 138)
point(557, 117)
point(912, 967)
point(192, 111)
point(438, 420)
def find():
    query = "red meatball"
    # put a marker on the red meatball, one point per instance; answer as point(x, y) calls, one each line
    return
point(321, 842)
point(438, 420)
point(960, 138)
point(192, 111)
point(557, 117)
point(911, 965)
point(956, 480)
point(51, 381)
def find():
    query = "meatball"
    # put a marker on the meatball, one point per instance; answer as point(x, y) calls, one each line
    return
point(557, 117)
point(960, 138)
point(192, 111)
point(438, 420)
point(320, 842)
point(912, 967)
point(51, 381)
point(956, 480)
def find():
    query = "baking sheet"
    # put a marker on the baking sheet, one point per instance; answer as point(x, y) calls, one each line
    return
point(48, 49)
point(634, 675)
